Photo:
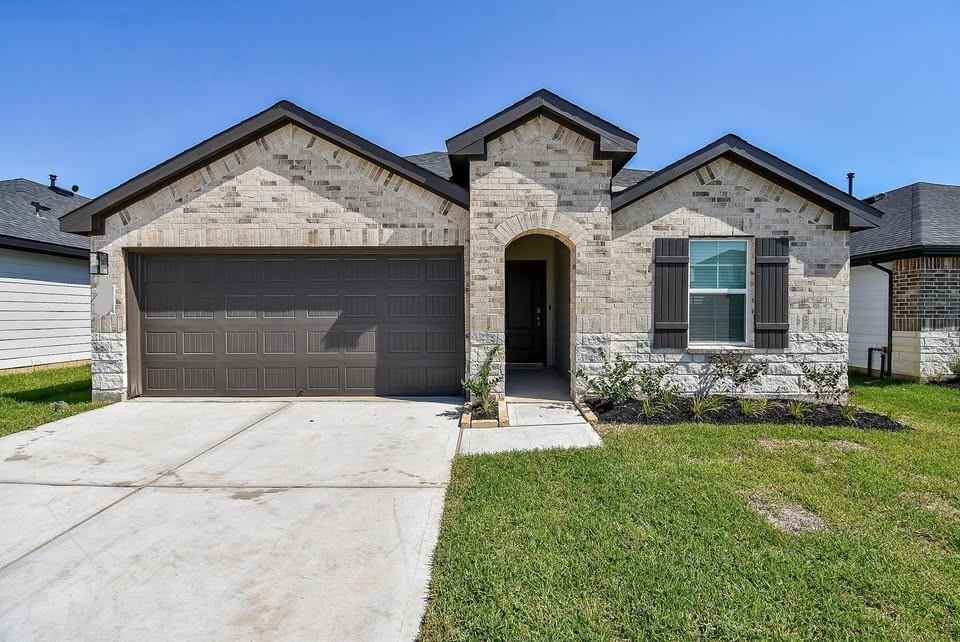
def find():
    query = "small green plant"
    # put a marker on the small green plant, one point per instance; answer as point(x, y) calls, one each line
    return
point(703, 405)
point(734, 373)
point(798, 409)
point(754, 407)
point(482, 384)
point(850, 413)
point(828, 384)
point(615, 383)
point(954, 366)
point(647, 409)
point(668, 396)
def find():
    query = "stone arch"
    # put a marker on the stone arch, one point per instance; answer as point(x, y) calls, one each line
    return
point(562, 349)
point(559, 226)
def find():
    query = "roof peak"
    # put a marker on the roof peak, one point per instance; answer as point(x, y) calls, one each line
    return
point(612, 142)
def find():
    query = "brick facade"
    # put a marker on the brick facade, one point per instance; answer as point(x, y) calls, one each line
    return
point(724, 198)
point(926, 315)
point(538, 178)
point(290, 189)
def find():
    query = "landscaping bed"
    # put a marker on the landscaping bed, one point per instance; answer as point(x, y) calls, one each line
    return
point(730, 411)
point(948, 383)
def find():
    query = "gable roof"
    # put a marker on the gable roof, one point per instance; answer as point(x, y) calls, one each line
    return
point(853, 213)
point(21, 227)
point(923, 217)
point(439, 164)
point(611, 141)
point(85, 218)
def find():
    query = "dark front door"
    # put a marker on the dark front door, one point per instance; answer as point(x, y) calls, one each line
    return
point(323, 323)
point(526, 312)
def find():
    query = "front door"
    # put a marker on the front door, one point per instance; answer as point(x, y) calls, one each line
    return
point(526, 312)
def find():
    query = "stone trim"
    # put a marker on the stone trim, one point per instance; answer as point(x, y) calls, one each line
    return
point(552, 224)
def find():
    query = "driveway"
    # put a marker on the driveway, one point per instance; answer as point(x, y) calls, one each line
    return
point(224, 520)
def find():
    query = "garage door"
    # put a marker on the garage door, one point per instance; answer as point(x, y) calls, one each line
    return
point(328, 324)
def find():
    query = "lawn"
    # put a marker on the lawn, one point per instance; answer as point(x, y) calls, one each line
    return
point(652, 536)
point(27, 398)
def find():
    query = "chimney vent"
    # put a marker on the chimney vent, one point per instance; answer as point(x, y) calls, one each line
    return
point(53, 180)
point(850, 176)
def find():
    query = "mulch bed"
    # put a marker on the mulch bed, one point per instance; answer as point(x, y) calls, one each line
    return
point(631, 412)
point(476, 412)
point(948, 383)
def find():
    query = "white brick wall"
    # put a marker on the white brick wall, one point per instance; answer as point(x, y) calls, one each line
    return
point(289, 189)
point(724, 198)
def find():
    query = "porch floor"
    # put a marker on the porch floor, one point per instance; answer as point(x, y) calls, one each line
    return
point(536, 384)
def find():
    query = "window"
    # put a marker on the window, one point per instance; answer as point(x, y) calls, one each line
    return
point(718, 291)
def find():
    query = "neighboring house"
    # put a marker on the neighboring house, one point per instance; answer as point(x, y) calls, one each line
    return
point(44, 277)
point(905, 281)
point(288, 256)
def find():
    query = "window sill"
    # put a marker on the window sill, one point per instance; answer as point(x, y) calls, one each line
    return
point(720, 349)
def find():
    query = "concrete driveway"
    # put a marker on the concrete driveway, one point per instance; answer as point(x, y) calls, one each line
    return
point(224, 520)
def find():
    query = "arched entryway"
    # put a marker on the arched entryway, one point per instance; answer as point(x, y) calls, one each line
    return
point(538, 328)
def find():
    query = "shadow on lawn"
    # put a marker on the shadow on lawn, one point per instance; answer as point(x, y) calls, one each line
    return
point(71, 392)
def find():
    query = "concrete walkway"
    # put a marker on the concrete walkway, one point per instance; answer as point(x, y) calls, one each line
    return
point(208, 520)
point(533, 426)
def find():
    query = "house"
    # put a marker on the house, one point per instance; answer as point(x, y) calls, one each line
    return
point(289, 256)
point(905, 282)
point(44, 277)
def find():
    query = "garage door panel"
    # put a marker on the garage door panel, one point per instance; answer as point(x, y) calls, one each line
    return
point(302, 325)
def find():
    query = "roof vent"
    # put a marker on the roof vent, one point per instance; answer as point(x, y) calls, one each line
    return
point(37, 205)
point(850, 176)
point(59, 190)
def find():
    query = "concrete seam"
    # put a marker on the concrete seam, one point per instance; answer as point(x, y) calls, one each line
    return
point(135, 491)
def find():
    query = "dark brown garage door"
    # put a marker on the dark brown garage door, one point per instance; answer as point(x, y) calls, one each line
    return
point(318, 324)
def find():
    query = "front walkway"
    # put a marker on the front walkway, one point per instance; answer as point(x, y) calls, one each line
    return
point(536, 425)
point(216, 520)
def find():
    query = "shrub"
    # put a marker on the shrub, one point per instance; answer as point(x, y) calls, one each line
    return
point(734, 372)
point(754, 407)
point(650, 383)
point(850, 413)
point(615, 383)
point(798, 409)
point(702, 405)
point(481, 384)
point(954, 366)
point(668, 396)
point(647, 409)
point(827, 384)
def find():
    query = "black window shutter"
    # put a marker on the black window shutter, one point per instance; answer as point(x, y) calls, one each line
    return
point(670, 277)
point(771, 303)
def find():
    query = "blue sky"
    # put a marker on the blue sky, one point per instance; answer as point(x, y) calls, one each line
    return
point(98, 92)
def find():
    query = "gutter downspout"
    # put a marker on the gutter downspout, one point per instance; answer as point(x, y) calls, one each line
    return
point(889, 317)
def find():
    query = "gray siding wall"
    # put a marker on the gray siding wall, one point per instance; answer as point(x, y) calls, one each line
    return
point(44, 309)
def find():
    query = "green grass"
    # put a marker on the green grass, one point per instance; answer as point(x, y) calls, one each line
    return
point(26, 398)
point(650, 537)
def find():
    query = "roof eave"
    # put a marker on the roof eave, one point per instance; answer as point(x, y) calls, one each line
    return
point(910, 251)
point(42, 247)
point(81, 219)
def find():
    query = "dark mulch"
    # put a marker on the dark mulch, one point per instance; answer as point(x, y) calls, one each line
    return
point(949, 383)
point(476, 412)
point(632, 412)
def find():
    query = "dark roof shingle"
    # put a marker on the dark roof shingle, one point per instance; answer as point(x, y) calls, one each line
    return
point(921, 215)
point(19, 219)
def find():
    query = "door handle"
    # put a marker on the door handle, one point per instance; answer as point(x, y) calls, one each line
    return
point(538, 317)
